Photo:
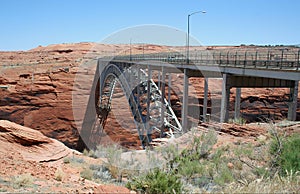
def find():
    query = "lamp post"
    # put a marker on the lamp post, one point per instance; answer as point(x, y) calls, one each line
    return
point(130, 51)
point(188, 35)
point(184, 113)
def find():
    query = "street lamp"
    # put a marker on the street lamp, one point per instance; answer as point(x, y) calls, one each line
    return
point(188, 35)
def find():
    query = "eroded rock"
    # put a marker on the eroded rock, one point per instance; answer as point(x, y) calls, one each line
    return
point(31, 144)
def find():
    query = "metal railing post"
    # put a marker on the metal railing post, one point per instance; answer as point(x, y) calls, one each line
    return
point(245, 59)
point(235, 60)
point(281, 58)
point(298, 62)
point(255, 59)
point(201, 56)
point(227, 57)
point(207, 57)
point(268, 60)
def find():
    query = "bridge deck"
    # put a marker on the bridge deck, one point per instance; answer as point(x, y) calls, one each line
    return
point(260, 68)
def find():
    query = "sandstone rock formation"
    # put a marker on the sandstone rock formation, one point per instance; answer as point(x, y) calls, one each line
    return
point(31, 144)
point(31, 162)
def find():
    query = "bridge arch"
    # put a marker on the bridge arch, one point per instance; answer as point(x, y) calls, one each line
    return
point(105, 89)
point(148, 105)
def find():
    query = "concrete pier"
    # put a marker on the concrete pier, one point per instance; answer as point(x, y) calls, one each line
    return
point(292, 112)
point(225, 98)
point(237, 105)
point(163, 92)
point(204, 112)
point(185, 101)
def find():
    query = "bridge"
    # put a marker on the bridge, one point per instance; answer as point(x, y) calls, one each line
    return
point(151, 107)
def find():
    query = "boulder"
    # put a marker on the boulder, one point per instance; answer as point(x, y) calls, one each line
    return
point(31, 144)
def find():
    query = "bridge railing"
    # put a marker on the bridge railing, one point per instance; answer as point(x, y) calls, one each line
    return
point(279, 58)
point(275, 58)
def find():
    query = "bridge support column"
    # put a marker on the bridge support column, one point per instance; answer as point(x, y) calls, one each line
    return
point(169, 88)
point(292, 112)
point(89, 118)
point(184, 113)
point(99, 74)
point(127, 75)
point(237, 105)
point(204, 115)
point(148, 99)
point(225, 99)
point(158, 79)
point(163, 92)
point(138, 82)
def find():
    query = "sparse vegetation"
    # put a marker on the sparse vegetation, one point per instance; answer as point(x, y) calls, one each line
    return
point(156, 181)
point(270, 164)
point(189, 165)
point(59, 174)
point(275, 184)
point(23, 180)
point(73, 159)
point(240, 121)
point(90, 153)
point(87, 174)
point(120, 167)
point(101, 172)
point(67, 160)
point(285, 153)
point(237, 168)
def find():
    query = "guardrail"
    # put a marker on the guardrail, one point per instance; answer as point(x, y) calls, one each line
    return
point(287, 59)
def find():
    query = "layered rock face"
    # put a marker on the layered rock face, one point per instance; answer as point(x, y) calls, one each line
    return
point(40, 99)
point(44, 105)
point(37, 85)
point(36, 91)
point(32, 145)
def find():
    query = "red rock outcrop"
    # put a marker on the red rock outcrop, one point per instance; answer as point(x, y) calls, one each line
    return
point(39, 162)
point(31, 144)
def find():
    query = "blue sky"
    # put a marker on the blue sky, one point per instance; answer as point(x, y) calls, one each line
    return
point(25, 24)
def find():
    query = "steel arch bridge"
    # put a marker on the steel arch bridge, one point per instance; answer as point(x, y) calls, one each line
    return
point(239, 68)
point(149, 107)
point(147, 104)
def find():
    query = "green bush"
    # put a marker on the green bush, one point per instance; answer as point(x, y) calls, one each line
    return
point(90, 153)
point(87, 174)
point(190, 169)
point(183, 167)
point(156, 181)
point(224, 176)
point(199, 148)
point(286, 153)
point(101, 172)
